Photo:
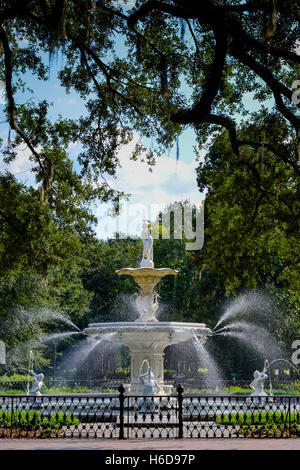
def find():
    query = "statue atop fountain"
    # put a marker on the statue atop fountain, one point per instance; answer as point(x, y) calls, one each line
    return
point(147, 261)
point(146, 276)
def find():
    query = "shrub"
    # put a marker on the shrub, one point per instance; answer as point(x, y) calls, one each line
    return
point(267, 423)
point(236, 390)
point(32, 420)
point(16, 378)
point(295, 385)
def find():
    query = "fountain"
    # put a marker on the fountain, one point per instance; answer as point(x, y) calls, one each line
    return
point(146, 337)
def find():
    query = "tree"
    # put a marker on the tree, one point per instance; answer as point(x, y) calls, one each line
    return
point(36, 236)
point(183, 65)
point(229, 49)
point(251, 234)
point(111, 293)
point(153, 68)
point(32, 306)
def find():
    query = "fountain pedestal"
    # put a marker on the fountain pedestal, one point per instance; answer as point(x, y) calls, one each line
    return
point(147, 278)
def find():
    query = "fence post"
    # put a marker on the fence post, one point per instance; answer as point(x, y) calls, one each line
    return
point(180, 420)
point(121, 399)
point(290, 416)
point(11, 415)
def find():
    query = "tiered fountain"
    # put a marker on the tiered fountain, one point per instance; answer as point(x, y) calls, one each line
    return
point(147, 337)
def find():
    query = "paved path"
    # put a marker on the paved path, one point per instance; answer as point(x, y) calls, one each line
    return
point(153, 444)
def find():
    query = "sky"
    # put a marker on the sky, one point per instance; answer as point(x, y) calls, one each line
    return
point(169, 181)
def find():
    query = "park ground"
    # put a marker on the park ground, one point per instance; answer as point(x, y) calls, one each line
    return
point(153, 444)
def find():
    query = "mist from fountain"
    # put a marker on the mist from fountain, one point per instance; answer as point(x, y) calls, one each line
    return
point(37, 317)
point(81, 353)
point(59, 336)
point(124, 308)
point(250, 303)
point(52, 315)
point(36, 321)
point(251, 334)
point(207, 360)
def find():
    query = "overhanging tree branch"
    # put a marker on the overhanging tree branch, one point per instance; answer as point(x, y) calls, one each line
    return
point(108, 76)
point(11, 102)
point(273, 149)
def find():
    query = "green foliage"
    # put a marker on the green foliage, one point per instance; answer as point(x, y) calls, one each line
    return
point(77, 389)
point(15, 378)
point(257, 417)
point(35, 420)
point(296, 385)
point(289, 389)
point(251, 224)
point(236, 390)
point(111, 292)
point(210, 391)
point(263, 423)
point(31, 306)
point(61, 390)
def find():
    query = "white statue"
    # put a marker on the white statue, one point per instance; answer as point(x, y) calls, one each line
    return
point(147, 305)
point(147, 260)
point(155, 304)
point(150, 384)
point(37, 384)
point(151, 388)
point(258, 384)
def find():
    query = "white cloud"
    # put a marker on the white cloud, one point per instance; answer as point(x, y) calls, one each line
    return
point(169, 182)
point(21, 166)
point(65, 100)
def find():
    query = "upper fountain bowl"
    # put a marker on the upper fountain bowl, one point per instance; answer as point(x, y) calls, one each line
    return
point(147, 277)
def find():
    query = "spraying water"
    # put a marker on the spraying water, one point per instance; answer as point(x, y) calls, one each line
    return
point(90, 345)
point(251, 303)
point(54, 316)
point(205, 357)
point(253, 336)
point(82, 353)
point(59, 336)
point(30, 367)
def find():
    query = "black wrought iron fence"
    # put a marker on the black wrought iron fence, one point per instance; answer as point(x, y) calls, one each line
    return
point(165, 416)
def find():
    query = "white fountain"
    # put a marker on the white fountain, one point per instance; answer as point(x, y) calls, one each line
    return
point(147, 337)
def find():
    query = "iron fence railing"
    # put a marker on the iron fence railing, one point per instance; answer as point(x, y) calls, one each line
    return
point(99, 385)
point(122, 416)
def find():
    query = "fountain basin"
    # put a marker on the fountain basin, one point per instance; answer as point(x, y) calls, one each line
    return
point(147, 342)
point(147, 278)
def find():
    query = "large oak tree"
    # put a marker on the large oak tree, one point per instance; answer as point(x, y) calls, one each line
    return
point(154, 67)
